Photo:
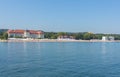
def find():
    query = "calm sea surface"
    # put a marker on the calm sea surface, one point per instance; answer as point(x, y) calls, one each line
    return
point(59, 59)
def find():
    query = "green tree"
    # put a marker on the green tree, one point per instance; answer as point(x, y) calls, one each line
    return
point(62, 33)
point(5, 36)
point(78, 36)
point(88, 36)
point(54, 37)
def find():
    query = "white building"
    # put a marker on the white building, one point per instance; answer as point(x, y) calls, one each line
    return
point(111, 38)
point(25, 34)
point(65, 38)
point(108, 38)
point(104, 38)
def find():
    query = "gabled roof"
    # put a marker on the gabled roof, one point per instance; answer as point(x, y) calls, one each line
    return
point(22, 31)
point(16, 31)
point(35, 32)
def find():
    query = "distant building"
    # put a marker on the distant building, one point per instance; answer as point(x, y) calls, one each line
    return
point(25, 34)
point(104, 38)
point(108, 38)
point(65, 37)
point(111, 38)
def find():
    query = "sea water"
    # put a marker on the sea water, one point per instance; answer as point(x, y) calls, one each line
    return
point(60, 59)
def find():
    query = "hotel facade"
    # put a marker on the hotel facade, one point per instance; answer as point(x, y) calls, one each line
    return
point(35, 34)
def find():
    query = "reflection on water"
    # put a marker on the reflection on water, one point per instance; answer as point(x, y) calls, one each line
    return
point(104, 48)
point(25, 46)
point(59, 59)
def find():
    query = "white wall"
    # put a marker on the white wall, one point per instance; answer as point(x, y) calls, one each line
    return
point(28, 35)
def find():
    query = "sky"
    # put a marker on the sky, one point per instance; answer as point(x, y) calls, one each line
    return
point(97, 16)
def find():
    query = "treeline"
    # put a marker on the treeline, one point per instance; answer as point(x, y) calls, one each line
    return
point(79, 35)
point(3, 34)
point(75, 35)
point(3, 30)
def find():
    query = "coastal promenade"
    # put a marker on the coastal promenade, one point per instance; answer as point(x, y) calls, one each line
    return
point(53, 40)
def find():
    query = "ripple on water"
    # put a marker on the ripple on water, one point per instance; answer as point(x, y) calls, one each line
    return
point(60, 60)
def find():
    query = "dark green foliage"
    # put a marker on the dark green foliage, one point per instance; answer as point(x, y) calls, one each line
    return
point(3, 34)
point(80, 35)
point(62, 33)
point(77, 36)
point(18, 37)
point(51, 35)
point(3, 30)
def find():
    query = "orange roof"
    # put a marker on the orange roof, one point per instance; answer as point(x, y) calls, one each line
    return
point(22, 31)
point(16, 31)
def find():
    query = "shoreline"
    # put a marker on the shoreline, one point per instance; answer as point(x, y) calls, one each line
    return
point(54, 40)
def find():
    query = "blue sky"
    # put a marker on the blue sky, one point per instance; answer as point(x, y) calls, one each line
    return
point(98, 16)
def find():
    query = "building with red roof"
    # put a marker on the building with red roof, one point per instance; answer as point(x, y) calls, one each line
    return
point(25, 34)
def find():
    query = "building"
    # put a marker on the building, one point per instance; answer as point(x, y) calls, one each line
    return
point(111, 38)
point(25, 34)
point(108, 38)
point(104, 38)
point(65, 37)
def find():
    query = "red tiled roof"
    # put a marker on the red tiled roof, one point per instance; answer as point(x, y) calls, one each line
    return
point(35, 32)
point(22, 31)
point(16, 31)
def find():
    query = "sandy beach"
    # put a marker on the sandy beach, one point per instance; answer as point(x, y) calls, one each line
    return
point(53, 40)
